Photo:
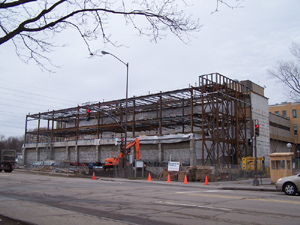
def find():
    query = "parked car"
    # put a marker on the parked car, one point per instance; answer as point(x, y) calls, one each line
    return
point(290, 185)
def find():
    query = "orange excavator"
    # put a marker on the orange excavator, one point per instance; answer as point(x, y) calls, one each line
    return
point(114, 161)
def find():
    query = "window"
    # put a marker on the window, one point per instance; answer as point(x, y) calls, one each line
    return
point(288, 164)
point(295, 129)
point(284, 113)
point(278, 165)
point(294, 113)
point(273, 164)
point(276, 112)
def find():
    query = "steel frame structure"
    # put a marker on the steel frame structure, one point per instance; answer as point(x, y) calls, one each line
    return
point(224, 119)
point(215, 111)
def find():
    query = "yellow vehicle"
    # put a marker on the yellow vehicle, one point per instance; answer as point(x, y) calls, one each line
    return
point(248, 163)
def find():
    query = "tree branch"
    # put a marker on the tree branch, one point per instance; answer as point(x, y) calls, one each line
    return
point(4, 5)
point(24, 22)
point(22, 27)
point(288, 72)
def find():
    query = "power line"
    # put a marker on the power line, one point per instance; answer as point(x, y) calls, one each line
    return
point(35, 87)
point(2, 125)
point(35, 94)
point(22, 96)
point(11, 113)
point(17, 106)
point(31, 99)
point(12, 122)
point(23, 102)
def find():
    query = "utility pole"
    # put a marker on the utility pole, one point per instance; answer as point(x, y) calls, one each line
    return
point(126, 103)
point(256, 133)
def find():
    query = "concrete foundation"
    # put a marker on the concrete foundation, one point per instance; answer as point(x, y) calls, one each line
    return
point(158, 149)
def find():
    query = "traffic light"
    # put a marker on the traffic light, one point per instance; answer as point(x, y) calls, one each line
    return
point(88, 115)
point(250, 142)
point(257, 129)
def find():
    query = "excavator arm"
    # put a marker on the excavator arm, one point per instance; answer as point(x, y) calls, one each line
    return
point(109, 162)
point(137, 149)
point(136, 144)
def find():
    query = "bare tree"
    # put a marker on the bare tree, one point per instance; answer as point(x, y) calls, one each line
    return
point(31, 24)
point(288, 72)
point(14, 143)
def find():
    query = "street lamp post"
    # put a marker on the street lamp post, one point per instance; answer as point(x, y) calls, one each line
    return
point(126, 100)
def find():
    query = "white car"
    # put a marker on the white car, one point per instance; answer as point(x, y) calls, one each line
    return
point(290, 185)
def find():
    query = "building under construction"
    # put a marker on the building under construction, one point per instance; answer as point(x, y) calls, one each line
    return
point(206, 125)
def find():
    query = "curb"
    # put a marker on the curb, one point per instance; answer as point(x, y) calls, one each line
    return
point(249, 189)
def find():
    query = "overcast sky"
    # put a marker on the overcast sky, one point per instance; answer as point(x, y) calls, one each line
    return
point(240, 44)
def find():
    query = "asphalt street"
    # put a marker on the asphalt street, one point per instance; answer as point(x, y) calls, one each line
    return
point(43, 199)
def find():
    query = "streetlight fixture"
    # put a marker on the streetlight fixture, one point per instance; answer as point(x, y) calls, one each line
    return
point(126, 100)
point(289, 146)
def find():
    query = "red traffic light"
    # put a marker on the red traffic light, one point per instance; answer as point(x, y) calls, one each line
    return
point(88, 116)
point(256, 129)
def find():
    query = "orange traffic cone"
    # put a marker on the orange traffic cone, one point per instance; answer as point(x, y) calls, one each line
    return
point(169, 179)
point(94, 178)
point(206, 181)
point(149, 177)
point(185, 180)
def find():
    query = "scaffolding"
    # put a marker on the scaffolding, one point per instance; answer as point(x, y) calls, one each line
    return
point(224, 119)
point(215, 112)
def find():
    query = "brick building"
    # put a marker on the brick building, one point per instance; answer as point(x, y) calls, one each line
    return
point(290, 112)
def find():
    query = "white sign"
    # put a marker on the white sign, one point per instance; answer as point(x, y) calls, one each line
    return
point(139, 164)
point(173, 166)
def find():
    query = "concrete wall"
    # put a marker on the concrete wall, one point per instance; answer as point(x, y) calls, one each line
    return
point(71, 154)
point(278, 146)
point(280, 133)
point(30, 156)
point(176, 152)
point(98, 150)
point(260, 112)
point(280, 128)
point(150, 153)
point(60, 154)
point(254, 87)
point(87, 154)
point(288, 107)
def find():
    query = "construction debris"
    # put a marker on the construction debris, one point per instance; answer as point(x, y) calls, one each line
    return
point(194, 173)
point(199, 173)
point(173, 175)
point(73, 170)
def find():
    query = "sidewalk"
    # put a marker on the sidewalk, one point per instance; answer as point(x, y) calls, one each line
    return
point(247, 184)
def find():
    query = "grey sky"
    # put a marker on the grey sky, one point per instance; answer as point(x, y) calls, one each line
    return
point(240, 44)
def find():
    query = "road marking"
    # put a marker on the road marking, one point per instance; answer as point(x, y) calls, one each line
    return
point(218, 191)
point(191, 205)
point(241, 198)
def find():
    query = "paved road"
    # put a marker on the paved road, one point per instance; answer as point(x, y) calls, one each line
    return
point(46, 200)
